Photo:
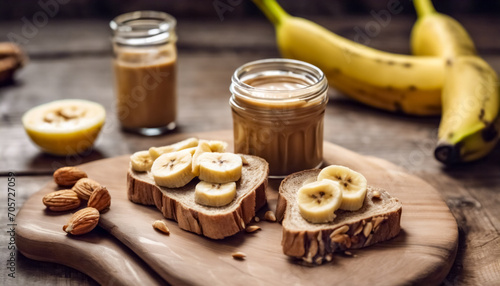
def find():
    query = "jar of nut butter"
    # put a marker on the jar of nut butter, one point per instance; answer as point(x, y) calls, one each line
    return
point(278, 107)
point(145, 58)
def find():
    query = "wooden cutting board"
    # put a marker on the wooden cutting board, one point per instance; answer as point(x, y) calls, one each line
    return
point(422, 253)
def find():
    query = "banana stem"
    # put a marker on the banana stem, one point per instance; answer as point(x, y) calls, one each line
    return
point(424, 7)
point(272, 10)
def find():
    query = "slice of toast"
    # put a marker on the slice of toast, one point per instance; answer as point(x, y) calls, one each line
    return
point(213, 222)
point(377, 220)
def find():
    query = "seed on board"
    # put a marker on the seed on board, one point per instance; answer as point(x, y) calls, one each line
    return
point(269, 216)
point(252, 228)
point(239, 255)
point(161, 227)
point(376, 194)
point(256, 219)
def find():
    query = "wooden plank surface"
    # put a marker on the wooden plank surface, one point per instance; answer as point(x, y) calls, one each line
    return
point(66, 63)
point(421, 254)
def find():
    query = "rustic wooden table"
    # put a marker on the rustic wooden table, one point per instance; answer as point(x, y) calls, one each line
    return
point(71, 59)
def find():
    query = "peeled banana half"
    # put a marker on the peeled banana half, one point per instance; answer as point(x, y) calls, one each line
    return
point(64, 127)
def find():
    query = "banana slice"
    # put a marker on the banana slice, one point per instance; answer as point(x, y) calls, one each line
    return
point(352, 184)
point(156, 152)
point(220, 167)
point(217, 146)
point(191, 150)
point(64, 127)
point(173, 170)
point(203, 147)
point(141, 161)
point(319, 200)
point(214, 195)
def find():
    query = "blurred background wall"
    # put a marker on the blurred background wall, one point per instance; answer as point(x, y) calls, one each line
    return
point(106, 9)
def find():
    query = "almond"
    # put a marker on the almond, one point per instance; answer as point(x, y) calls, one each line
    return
point(100, 199)
point(68, 176)
point(11, 59)
point(82, 221)
point(61, 200)
point(161, 226)
point(269, 216)
point(252, 228)
point(239, 255)
point(85, 187)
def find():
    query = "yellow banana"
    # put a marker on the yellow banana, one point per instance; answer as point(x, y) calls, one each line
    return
point(468, 130)
point(384, 80)
point(470, 122)
point(429, 101)
point(436, 34)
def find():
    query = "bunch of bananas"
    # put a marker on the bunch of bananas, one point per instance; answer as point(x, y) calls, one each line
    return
point(444, 76)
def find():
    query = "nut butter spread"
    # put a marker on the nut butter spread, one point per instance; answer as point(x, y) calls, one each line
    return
point(278, 114)
point(146, 88)
point(144, 65)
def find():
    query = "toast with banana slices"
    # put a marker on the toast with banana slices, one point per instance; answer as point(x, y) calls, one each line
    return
point(377, 220)
point(214, 222)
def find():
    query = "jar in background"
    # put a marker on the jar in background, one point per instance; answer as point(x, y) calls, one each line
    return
point(145, 58)
point(278, 108)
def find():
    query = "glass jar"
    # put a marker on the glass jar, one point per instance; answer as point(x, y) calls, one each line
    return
point(145, 59)
point(278, 108)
